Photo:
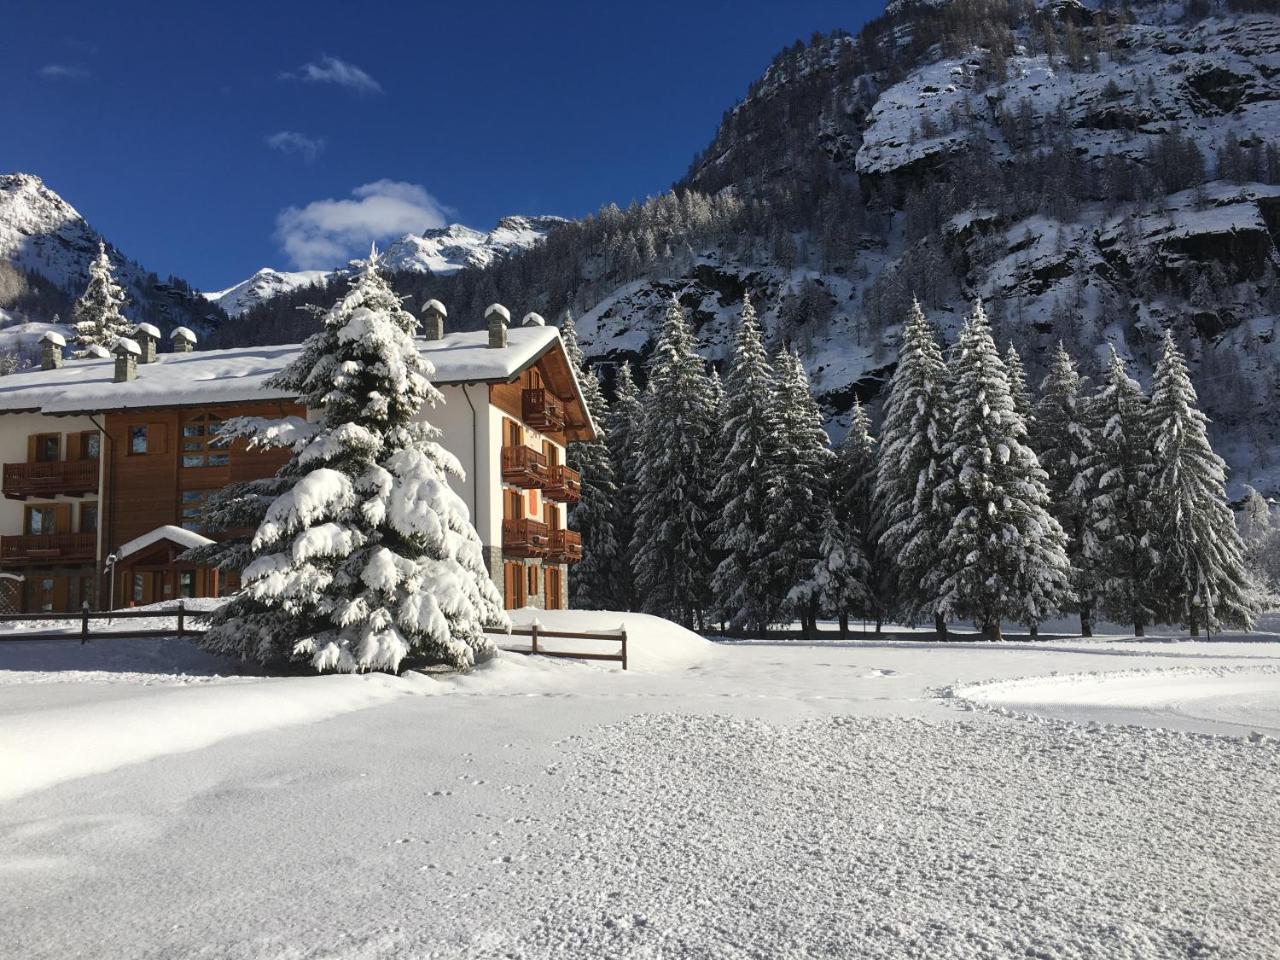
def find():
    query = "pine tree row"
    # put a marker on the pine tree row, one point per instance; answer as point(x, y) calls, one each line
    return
point(728, 507)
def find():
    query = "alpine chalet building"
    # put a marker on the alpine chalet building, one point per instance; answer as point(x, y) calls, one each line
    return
point(108, 461)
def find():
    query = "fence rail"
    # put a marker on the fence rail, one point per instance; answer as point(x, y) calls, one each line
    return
point(536, 633)
point(87, 617)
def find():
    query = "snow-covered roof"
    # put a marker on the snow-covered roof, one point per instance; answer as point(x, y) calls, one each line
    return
point(179, 535)
point(500, 310)
point(150, 329)
point(533, 320)
point(238, 375)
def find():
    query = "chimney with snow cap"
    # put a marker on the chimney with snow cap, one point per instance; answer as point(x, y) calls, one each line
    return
point(184, 341)
point(533, 320)
point(127, 352)
point(98, 351)
point(51, 345)
point(148, 336)
point(433, 316)
point(498, 317)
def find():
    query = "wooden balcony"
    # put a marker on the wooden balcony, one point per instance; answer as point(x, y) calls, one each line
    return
point(565, 547)
point(56, 548)
point(542, 410)
point(563, 484)
point(74, 478)
point(523, 466)
point(524, 538)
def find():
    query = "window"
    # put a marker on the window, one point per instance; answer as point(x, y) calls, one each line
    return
point(90, 445)
point(186, 583)
point(513, 433)
point(48, 447)
point(137, 440)
point(41, 521)
point(191, 506)
point(512, 505)
point(198, 448)
point(551, 452)
point(138, 588)
point(88, 518)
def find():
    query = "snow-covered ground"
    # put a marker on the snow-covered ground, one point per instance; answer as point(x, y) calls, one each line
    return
point(869, 799)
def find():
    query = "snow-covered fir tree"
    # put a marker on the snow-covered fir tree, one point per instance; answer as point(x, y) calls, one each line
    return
point(98, 319)
point(1019, 392)
point(850, 572)
point(671, 540)
point(909, 520)
point(745, 493)
point(591, 580)
point(1200, 572)
point(622, 435)
point(1116, 485)
point(1004, 556)
point(1062, 437)
point(364, 553)
point(800, 494)
point(1260, 532)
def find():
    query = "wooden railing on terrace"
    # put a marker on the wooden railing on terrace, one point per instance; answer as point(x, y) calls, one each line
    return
point(565, 546)
point(43, 548)
point(50, 478)
point(563, 484)
point(523, 466)
point(524, 538)
point(542, 409)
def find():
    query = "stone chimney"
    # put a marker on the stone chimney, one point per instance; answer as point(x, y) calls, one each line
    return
point(51, 345)
point(433, 316)
point(148, 336)
point(533, 320)
point(98, 351)
point(184, 341)
point(127, 353)
point(497, 317)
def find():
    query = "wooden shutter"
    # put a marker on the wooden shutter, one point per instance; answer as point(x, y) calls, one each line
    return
point(31, 447)
point(62, 518)
point(156, 436)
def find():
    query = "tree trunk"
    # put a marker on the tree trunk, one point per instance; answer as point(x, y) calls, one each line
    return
point(1195, 627)
point(1139, 629)
point(992, 631)
point(844, 624)
point(1035, 630)
point(879, 624)
point(1086, 622)
point(940, 626)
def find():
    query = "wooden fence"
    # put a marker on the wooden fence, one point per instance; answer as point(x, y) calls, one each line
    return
point(88, 617)
point(539, 635)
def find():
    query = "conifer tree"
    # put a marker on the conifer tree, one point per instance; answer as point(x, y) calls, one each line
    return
point(1062, 437)
point(591, 580)
point(909, 521)
point(1019, 392)
point(743, 496)
point(844, 575)
point(671, 541)
point(622, 434)
point(1116, 483)
point(800, 493)
point(364, 552)
point(98, 319)
point(1004, 556)
point(1200, 571)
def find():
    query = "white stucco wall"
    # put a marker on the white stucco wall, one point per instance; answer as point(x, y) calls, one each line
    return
point(463, 432)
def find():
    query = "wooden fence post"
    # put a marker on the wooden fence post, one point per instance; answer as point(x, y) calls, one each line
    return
point(624, 646)
point(181, 617)
point(84, 623)
point(535, 636)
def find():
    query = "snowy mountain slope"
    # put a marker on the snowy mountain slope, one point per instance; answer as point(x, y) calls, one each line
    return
point(440, 252)
point(44, 235)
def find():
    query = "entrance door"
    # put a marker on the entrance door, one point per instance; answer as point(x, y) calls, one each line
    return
point(513, 586)
point(553, 582)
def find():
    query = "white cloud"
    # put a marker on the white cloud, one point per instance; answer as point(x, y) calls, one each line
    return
point(63, 71)
point(332, 70)
point(326, 233)
point(290, 141)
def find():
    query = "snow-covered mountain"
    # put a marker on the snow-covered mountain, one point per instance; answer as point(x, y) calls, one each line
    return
point(45, 250)
point(440, 252)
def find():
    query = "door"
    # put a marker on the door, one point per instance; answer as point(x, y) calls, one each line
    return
point(553, 599)
point(513, 590)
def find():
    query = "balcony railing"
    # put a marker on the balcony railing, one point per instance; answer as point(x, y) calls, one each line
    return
point(48, 548)
point(523, 466)
point(47, 479)
point(524, 538)
point(565, 547)
point(542, 410)
point(563, 484)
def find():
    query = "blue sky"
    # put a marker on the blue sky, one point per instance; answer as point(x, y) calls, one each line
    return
point(210, 139)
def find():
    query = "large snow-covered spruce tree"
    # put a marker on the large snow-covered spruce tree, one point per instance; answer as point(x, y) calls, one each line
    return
point(670, 554)
point(622, 435)
point(1004, 556)
point(744, 495)
point(1062, 438)
point(364, 553)
point(801, 491)
point(1200, 572)
point(591, 581)
point(98, 317)
point(909, 520)
point(1116, 483)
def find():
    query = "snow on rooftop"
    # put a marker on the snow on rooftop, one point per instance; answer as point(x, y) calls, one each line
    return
point(52, 336)
point(150, 329)
point(127, 345)
point(178, 535)
point(238, 375)
point(183, 333)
